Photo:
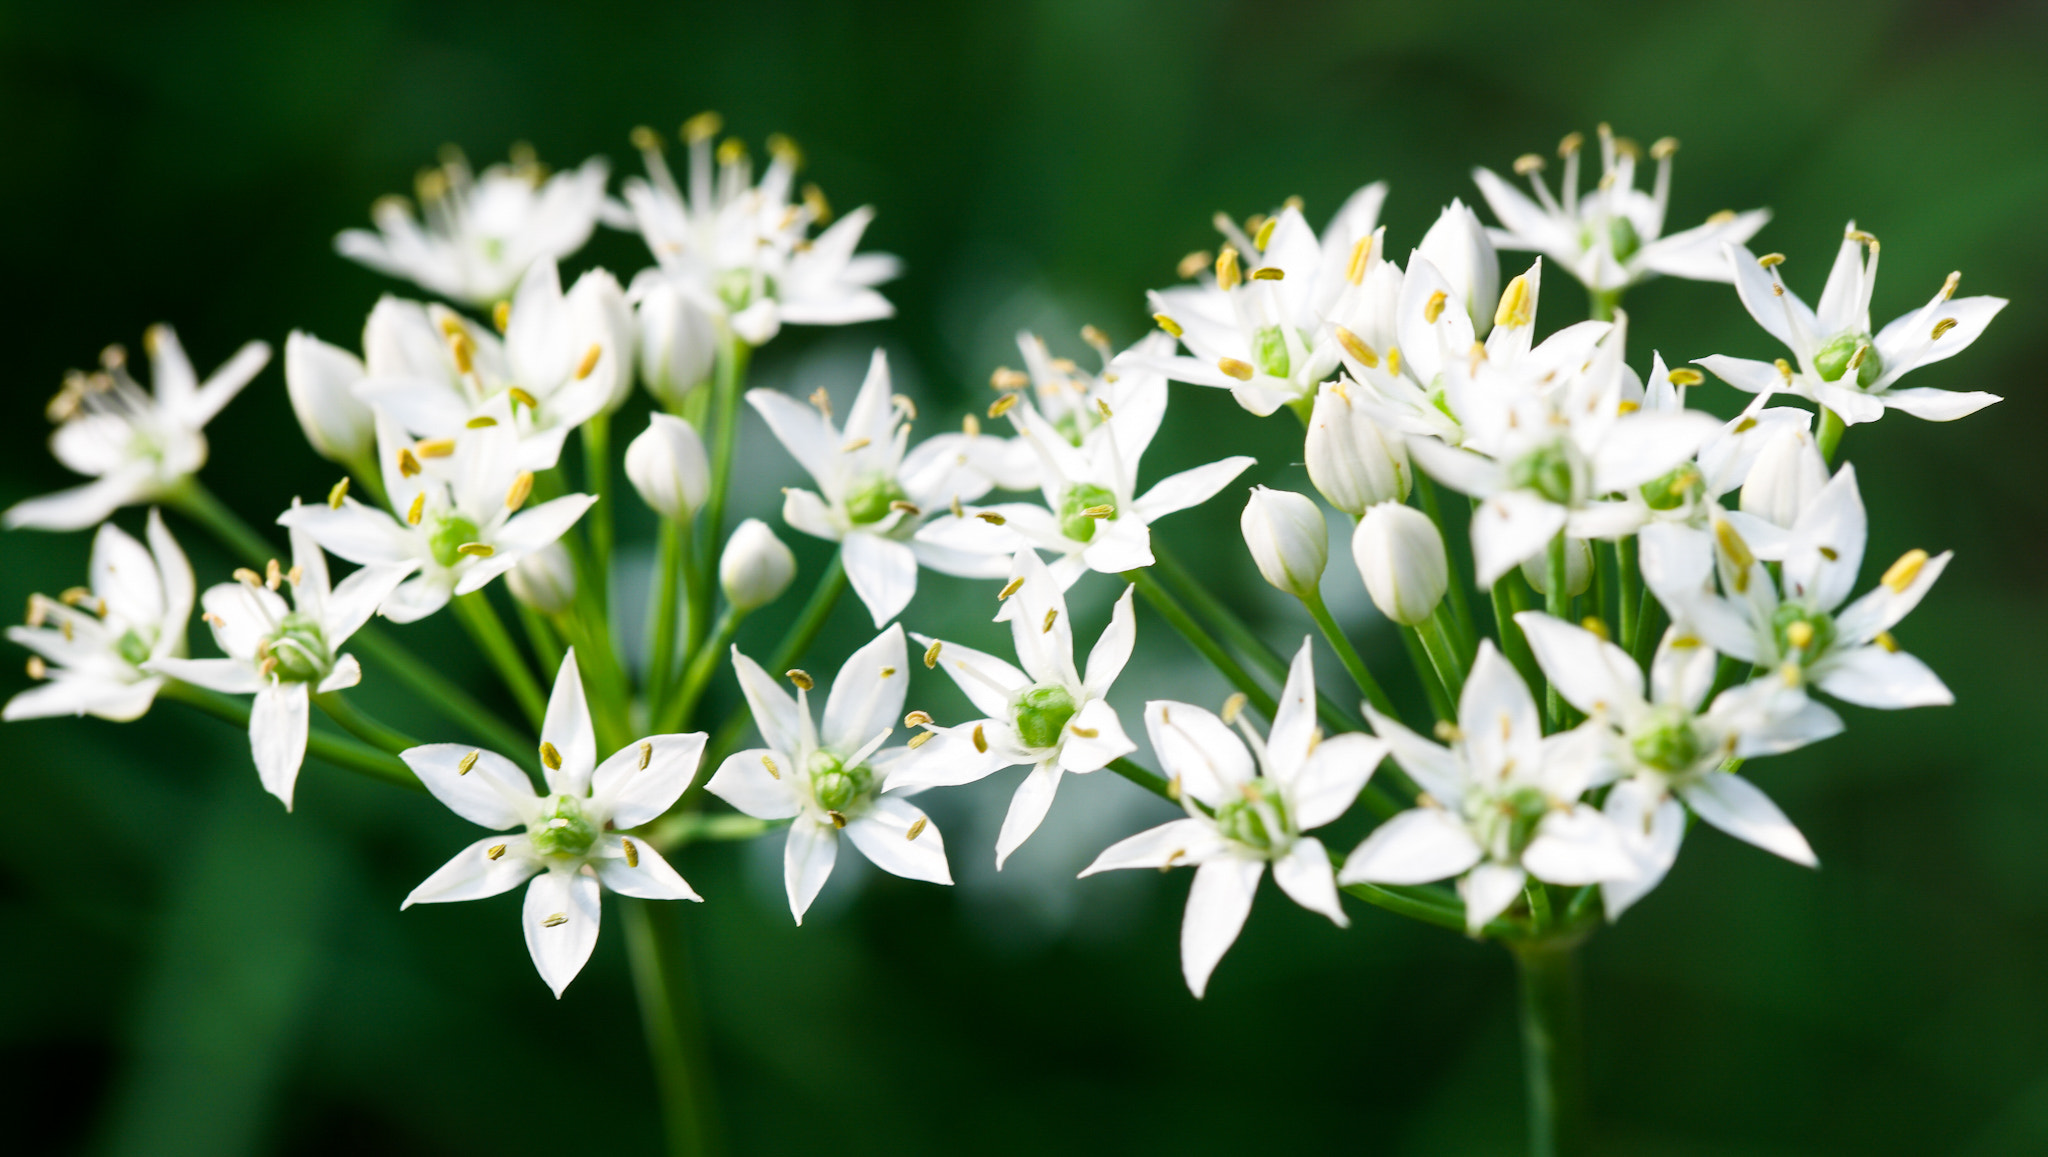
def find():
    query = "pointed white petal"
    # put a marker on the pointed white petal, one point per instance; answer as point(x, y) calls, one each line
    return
point(807, 861)
point(1304, 874)
point(1487, 891)
point(1175, 843)
point(644, 779)
point(493, 792)
point(1418, 846)
point(475, 872)
point(567, 728)
point(561, 919)
point(278, 722)
point(1738, 807)
point(644, 873)
point(745, 781)
point(1218, 903)
point(1027, 809)
point(883, 835)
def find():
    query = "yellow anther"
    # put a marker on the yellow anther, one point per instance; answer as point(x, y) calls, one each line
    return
point(1242, 371)
point(1948, 287)
point(838, 819)
point(917, 829)
point(1228, 276)
point(1734, 547)
point(1686, 376)
point(463, 351)
point(1050, 617)
point(800, 677)
point(1627, 147)
point(920, 739)
point(556, 920)
point(1172, 793)
point(407, 464)
point(1434, 307)
point(1941, 327)
point(1168, 324)
point(1862, 351)
point(435, 448)
point(931, 655)
point(970, 425)
point(646, 755)
point(855, 444)
point(481, 422)
point(268, 667)
point(1234, 706)
point(1745, 425)
point(1517, 305)
point(1903, 572)
point(1784, 368)
point(1361, 256)
point(732, 151)
point(37, 669)
point(783, 149)
point(1800, 634)
point(467, 763)
point(1790, 675)
point(1193, 264)
point(1830, 553)
point(1005, 378)
point(953, 505)
point(477, 549)
point(1252, 224)
point(702, 127)
point(1570, 144)
point(1105, 510)
point(1269, 273)
point(1265, 235)
point(1684, 642)
point(273, 574)
point(814, 200)
point(520, 490)
point(523, 398)
point(1859, 237)
point(1002, 405)
point(903, 403)
point(549, 757)
point(1084, 732)
point(1095, 337)
point(645, 139)
point(632, 853)
point(1771, 260)
point(418, 508)
point(501, 316)
point(990, 517)
point(338, 492)
point(1663, 147)
point(1529, 163)
point(1393, 359)
point(1447, 731)
point(1010, 588)
point(1102, 407)
point(494, 851)
point(1595, 625)
point(1722, 217)
point(906, 507)
point(244, 575)
point(768, 763)
point(588, 365)
point(980, 739)
point(917, 719)
point(1627, 406)
point(1884, 639)
point(1356, 347)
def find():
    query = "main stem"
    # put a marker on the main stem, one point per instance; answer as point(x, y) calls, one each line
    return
point(1553, 1046)
point(662, 624)
point(668, 1013)
point(729, 373)
point(1558, 601)
point(1177, 616)
point(488, 630)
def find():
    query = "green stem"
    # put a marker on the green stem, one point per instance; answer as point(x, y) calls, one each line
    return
point(795, 642)
point(360, 724)
point(1431, 906)
point(335, 750)
point(488, 630)
point(1234, 629)
point(597, 479)
point(680, 828)
point(1468, 630)
point(1347, 654)
point(1601, 304)
point(546, 647)
point(1831, 430)
point(1440, 703)
point(1443, 655)
point(1512, 643)
point(703, 665)
point(1630, 581)
point(1151, 781)
point(662, 626)
point(442, 693)
point(1557, 600)
point(1553, 1046)
point(1177, 617)
point(661, 980)
point(729, 370)
point(1649, 629)
point(192, 499)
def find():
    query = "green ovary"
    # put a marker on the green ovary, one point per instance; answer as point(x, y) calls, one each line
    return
point(1548, 471)
point(870, 501)
point(1269, 350)
point(1257, 818)
point(1802, 635)
point(1667, 741)
point(565, 831)
point(448, 537)
point(1832, 360)
point(1042, 714)
point(1074, 522)
point(299, 648)
point(836, 786)
point(132, 648)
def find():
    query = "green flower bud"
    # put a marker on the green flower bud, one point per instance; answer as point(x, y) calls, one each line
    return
point(564, 831)
point(1622, 237)
point(1832, 360)
point(1553, 471)
point(1075, 523)
point(1269, 351)
point(448, 537)
point(869, 502)
point(834, 785)
point(299, 648)
point(1041, 715)
point(1666, 741)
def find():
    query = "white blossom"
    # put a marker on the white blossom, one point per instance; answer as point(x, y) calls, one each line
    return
point(756, 566)
point(1400, 555)
point(1288, 539)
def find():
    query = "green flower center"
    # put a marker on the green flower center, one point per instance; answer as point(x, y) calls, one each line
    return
point(298, 647)
point(835, 786)
point(1269, 350)
point(450, 533)
point(1552, 471)
point(1622, 237)
point(870, 501)
point(1803, 635)
point(1512, 820)
point(1671, 491)
point(1666, 741)
point(735, 288)
point(1042, 714)
point(1257, 818)
point(133, 649)
point(565, 831)
point(1832, 360)
point(1075, 521)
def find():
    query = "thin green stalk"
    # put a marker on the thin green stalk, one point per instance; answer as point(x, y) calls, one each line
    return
point(681, 708)
point(1431, 906)
point(1649, 629)
point(1553, 1046)
point(1177, 617)
point(1504, 595)
point(1831, 430)
point(1443, 654)
point(540, 636)
point(1603, 564)
point(605, 677)
point(488, 630)
point(729, 373)
point(1601, 303)
point(1557, 600)
point(1151, 781)
point(1347, 654)
point(362, 725)
point(1461, 605)
point(662, 625)
point(597, 479)
point(192, 499)
point(334, 750)
point(1440, 703)
point(795, 642)
point(1631, 581)
point(668, 1013)
point(680, 828)
point(1233, 629)
point(1582, 902)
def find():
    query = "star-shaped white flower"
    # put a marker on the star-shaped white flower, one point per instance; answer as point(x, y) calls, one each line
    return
point(1073, 401)
point(1048, 716)
point(480, 233)
point(1670, 743)
point(1502, 802)
point(576, 831)
point(1613, 236)
point(91, 644)
point(1840, 364)
point(877, 498)
point(830, 780)
point(1249, 804)
point(741, 251)
point(563, 359)
point(284, 653)
point(455, 514)
point(136, 447)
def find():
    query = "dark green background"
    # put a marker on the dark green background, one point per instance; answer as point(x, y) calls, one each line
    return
point(189, 970)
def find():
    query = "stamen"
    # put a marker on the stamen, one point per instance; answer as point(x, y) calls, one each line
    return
point(1800, 634)
point(1516, 309)
point(468, 762)
point(1771, 260)
point(990, 517)
point(838, 820)
point(1084, 732)
point(435, 448)
point(732, 151)
point(1361, 256)
point(337, 493)
point(1570, 144)
point(585, 367)
point(1941, 327)
point(1002, 406)
point(295, 575)
point(1434, 307)
point(855, 444)
point(1448, 732)
point(1784, 368)
point(494, 851)
point(1862, 351)
point(1737, 551)
point(1528, 163)
point(37, 669)
point(407, 464)
point(1005, 378)
point(268, 667)
point(646, 755)
point(1594, 625)
point(1173, 793)
point(1948, 287)
point(501, 313)
point(1010, 588)
point(556, 920)
point(1102, 407)
point(477, 549)
point(520, 490)
point(632, 853)
point(1233, 707)
point(1192, 265)
point(1242, 371)
point(916, 829)
point(1268, 273)
point(1228, 276)
point(904, 404)
point(1264, 236)
point(244, 575)
point(1686, 376)
point(768, 762)
point(953, 506)
point(800, 677)
point(920, 739)
point(1662, 148)
point(273, 574)
point(917, 719)
point(1903, 572)
point(1884, 639)
point(702, 127)
point(888, 671)
point(1168, 324)
point(814, 200)
point(1103, 511)
point(970, 426)
point(1721, 217)
point(523, 398)
point(1393, 359)
point(783, 149)
point(822, 401)
point(462, 350)
point(1050, 616)
point(1356, 347)
point(931, 655)
point(980, 739)
point(551, 758)
point(418, 508)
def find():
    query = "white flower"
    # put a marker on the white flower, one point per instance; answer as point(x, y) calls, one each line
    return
point(1047, 716)
point(91, 644)
point(1288, 539)
point(1613, 237)
point(455, 514)
point(1400, 555)
point(740, 250)
point(1457, 245)
point(1541, 460)
point(829, 781)
point(575, 831)
point(564, 359)
point(1804, 635)
point(481, 234)
point(284, 654)
point(1262, 326)
point(136, 448)
point(1840, 364)
point(1093, 517)
point(1255, 805)
point(874, 499)
point(678, 340)
point(1502, 802)
point(1352, 461)
point(667, 466)
point(1074, 402)
point(1665, 745)
point(1787, 475)
point(322, 380)
point(756, 566)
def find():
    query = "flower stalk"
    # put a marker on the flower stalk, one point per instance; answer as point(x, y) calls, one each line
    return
point(1553, 1045)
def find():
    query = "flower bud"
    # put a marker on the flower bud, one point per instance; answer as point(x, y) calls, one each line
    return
point(1352, 462)
point(1786, 476)
point(756, 568)
point(677, 342)
point(602, 317)
point(321, 379)
point(1288, 539)
point(544, 580)
point(666, 464)
point(1578, 568)
point(1460, 249)
point(1400, 554)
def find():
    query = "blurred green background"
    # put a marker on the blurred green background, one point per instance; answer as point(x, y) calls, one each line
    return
point(190, 970)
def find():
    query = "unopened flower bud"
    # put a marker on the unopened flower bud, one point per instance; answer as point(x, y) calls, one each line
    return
point(604, 321)
point(1786, 476)
point(1460, 249)
point(666, 464)
point(321, 379)
point(1351, 461)
point(677, 342)
point(1400, 554)
point(1578, 568)
point(544, 580)
point(756, 567)
point(1288, 539)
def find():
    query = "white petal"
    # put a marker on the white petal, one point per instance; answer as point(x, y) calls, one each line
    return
point(1418, 846)
point(357, 598)
point(493, 792)
point(867, 697)
point(807, 861)
point(1487, 891)
point(776, 715)
point(1084, 753)
point(1294, 718)
point(1218, 903)
point(1331, 778)
point(1177, 842)
point(278, 721)
point(882, 834)
point(125, 577)
point(1113, 647)
point(346, 673)
point(745, 782)
point(952, 757)
point(988, 682)
point(1651, 826)
point(1736, 806)
point(1503, 736)
point(883, 573)
point(228, 676)
point(1579, 846)
point(1939, 405)
point(475, 873)
point(1510, 527)
point(644, 779)
point(1592, 674)
point(561, 919)
point(1434, 767)
point(1304, 874)
point(1197, 749)
point(1888, 680)
point(644, 874)
point(1190, 487)
point(358, 533)
point(567, 727)
point(1027, 809)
